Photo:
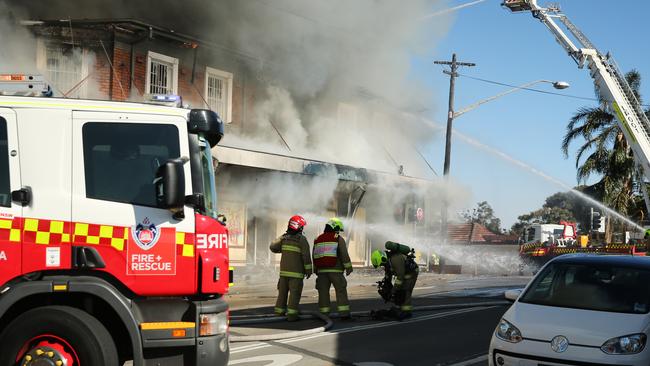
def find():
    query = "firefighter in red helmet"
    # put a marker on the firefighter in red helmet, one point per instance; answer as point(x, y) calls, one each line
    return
point(295, 265)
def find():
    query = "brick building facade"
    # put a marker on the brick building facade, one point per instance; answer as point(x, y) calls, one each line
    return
point(124, 60)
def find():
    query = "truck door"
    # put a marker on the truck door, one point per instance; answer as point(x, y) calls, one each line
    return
point(10, 212)
point(115, 159)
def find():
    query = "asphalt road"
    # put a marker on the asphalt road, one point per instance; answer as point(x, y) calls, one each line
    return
point(454, 337)
point(444, 337)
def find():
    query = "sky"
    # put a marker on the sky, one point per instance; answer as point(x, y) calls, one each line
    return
point(516, 49)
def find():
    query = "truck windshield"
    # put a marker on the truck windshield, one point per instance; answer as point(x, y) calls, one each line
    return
point(207, 173)
point(591, 287)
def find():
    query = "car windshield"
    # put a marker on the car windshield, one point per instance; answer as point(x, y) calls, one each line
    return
point(591, 287)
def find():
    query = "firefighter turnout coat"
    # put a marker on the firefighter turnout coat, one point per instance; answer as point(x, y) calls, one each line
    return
point(295, 264)
point(404, 280)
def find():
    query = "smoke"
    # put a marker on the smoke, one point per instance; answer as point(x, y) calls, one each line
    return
point(267, 193)
point(334, 83)
point(18, 45)
point(314, 55)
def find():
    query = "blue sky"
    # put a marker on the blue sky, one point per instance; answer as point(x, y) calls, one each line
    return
point(516, 49)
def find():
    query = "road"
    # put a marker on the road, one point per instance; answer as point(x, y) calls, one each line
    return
point(453, 337)
point(444, 337)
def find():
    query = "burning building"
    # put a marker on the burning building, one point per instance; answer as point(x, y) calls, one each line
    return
point(308, 130)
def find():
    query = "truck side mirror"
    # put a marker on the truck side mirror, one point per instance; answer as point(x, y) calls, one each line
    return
point(170, 185)
point(512, 295)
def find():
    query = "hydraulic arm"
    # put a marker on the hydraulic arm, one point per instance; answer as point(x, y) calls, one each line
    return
point(609, 80)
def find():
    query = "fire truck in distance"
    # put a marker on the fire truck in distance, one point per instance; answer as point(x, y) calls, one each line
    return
point(542, 242)
point(110, 247)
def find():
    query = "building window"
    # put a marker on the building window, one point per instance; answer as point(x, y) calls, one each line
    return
point(5, 195)
point(120, 165)
point(64, 67)
point(162, 74)
point(218, 92)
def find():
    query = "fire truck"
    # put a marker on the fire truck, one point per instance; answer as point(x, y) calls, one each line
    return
point(543, 242)
point(110, 247)
point(621, 101)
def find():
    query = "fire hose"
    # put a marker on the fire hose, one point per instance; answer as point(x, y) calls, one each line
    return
point(268, 318)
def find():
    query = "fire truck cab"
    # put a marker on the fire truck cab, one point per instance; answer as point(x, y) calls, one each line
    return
point(110, 249)
point(561, 235)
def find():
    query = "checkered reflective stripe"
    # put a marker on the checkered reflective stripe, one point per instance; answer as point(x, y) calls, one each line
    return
point(184, 244)
point(104, 235)
point(46, 232)
point(54, 232)
point(10, 230)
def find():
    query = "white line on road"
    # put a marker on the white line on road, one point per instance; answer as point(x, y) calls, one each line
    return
point(472, 361)
point(256, 346)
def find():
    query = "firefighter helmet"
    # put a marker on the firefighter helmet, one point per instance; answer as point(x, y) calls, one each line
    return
point(297, 222)
point(377, 258)
point(335, 223)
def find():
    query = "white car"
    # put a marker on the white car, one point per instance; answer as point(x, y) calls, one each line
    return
point(580, 309)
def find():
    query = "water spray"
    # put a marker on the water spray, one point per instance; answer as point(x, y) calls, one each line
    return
point(547, 177)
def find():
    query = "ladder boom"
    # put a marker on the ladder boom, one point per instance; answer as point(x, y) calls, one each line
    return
point(608, 79)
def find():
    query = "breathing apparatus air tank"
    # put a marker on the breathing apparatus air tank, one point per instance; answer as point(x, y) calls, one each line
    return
point(397, 247)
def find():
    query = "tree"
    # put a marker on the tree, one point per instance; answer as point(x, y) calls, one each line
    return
point(606, 154)
point(483, 214)
point(544, 215)
point(580, 209)
point(560, 206)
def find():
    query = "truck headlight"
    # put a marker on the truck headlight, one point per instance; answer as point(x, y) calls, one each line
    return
point(625, 345)
point(508, 332)
point(214, 323)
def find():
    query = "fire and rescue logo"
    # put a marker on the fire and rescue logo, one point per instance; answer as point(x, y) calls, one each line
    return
point(145, 234)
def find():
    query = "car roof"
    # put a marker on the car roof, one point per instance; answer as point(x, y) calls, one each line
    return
point(610, 260)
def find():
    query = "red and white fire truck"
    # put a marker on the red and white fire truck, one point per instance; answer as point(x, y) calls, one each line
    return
point(543, 242)
point(110, 247)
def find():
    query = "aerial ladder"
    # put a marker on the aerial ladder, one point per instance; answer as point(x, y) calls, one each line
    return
point(609, 80)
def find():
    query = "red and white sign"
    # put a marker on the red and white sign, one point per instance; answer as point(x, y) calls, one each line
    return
point(212, 241)
point(419, 214)
point(158, 258)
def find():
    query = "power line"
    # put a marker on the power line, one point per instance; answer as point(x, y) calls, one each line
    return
point(536, 90)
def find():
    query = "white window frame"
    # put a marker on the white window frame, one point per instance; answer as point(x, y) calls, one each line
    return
point(153, 56)
point(41, 64)
point(228, 77)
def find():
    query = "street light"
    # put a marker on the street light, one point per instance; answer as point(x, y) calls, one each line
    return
point(451, 115)
point(556, 84)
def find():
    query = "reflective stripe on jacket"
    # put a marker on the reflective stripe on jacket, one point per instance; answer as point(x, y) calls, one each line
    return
point(296, 258)
point(331, 253)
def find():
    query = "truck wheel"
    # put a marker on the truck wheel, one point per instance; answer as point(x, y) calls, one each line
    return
point(47, 335)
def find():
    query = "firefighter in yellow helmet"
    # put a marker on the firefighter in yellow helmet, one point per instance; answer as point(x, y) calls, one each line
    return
point(295, 265)
point(331, 259)
point(399, 263)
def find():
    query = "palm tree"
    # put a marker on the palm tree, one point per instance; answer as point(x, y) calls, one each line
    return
point(608, 154)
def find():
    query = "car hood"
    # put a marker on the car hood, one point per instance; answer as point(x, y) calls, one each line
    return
point(584, 327)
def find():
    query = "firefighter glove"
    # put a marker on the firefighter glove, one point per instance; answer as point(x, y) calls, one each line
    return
point(348, 271)
point(307, 276)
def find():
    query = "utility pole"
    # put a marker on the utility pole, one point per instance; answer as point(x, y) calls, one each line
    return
point(454, 64)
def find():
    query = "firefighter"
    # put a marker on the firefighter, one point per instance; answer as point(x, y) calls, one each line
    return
point(405, 271)
point(331, 259)
point(295, 265)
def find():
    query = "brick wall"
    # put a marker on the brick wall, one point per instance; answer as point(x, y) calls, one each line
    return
point(121, 73)
point(100, 74)
point(191, 93)
point(139, 75)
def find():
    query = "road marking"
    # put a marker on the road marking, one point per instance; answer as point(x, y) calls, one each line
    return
point(260, 345)
point(276, 359)
point(472, 361)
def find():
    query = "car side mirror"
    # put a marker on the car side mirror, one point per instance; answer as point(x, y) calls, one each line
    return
point(170, 185)
point(512, 295)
